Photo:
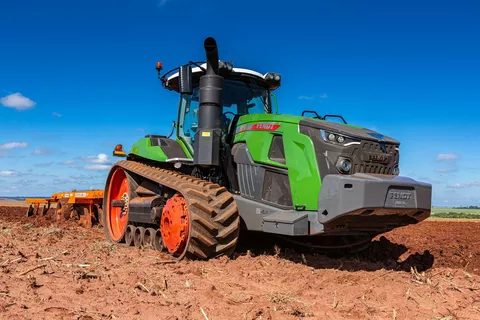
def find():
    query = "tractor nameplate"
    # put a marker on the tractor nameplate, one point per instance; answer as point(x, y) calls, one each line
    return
point(378, 158)
point(398, 198)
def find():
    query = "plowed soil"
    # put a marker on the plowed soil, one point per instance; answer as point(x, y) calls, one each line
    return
point(52, 270)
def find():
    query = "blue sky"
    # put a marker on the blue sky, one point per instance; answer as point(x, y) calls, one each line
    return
point(78, 77)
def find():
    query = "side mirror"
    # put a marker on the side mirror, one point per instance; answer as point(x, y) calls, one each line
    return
point(185, 79)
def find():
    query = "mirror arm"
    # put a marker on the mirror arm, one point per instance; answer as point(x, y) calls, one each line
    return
point(173, 129)
point(276, 102)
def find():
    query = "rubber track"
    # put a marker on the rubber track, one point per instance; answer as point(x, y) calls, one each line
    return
point(215, 222)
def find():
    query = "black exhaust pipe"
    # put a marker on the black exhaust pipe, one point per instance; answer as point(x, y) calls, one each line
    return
point(207, 138)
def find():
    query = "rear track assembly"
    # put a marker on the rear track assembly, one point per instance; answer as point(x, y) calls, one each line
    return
point(211, 223)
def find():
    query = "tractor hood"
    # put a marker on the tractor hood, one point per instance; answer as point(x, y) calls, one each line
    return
point(349, 131)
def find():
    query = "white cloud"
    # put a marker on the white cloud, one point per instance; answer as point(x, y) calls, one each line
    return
point(99, 162)
point(13, 145)
point(43, 164)
point(433, 181)
point(70, 181)
point(464, 185)
point(24, 182)
point(101, 158)
point(40, 152)
point(140, 130)
point(3, 154)
point(17, 101)
point(9, 173)
point(97, 167)
point(55, 114)
point(321, 96)
point(458, 185)
point(447, 157)
point(305, 98)
point(70, 163)
point(445, 170)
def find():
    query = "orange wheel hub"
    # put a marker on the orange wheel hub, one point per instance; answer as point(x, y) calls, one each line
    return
point(118, 216)
point(175, 224)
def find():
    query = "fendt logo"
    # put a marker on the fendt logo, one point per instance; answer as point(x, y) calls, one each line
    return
point(265, 126)
point(261, 126)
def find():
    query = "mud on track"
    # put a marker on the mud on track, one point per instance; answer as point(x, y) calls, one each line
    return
point(427, 271)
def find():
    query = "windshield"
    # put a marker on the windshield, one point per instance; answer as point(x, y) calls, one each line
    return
point(239, 98)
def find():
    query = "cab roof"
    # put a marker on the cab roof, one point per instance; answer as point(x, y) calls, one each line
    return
point(171, 82)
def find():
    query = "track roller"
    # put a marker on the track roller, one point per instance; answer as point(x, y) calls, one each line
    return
point(148, 238)
point(138, 237)
point(129, 234)
point(157, 240)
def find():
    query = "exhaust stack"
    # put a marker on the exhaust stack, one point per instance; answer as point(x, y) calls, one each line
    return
point(207, 138)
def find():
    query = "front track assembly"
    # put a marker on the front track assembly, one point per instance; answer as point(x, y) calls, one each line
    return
point(198, 219)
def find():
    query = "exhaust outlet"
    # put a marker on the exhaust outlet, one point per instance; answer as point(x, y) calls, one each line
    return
point(207, 138)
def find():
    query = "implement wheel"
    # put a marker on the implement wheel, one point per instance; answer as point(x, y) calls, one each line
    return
point(63, 210)
point(119, 190)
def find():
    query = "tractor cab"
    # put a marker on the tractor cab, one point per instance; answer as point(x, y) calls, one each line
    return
point(244, 92)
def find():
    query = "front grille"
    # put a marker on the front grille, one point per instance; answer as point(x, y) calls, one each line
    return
point(373, 146)
point(365, 168)
point(369, 167)
point(328, 154)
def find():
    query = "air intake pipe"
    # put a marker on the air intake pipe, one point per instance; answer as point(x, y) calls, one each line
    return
point(207, 138)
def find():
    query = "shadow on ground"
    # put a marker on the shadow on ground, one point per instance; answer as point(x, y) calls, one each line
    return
point(380, 254)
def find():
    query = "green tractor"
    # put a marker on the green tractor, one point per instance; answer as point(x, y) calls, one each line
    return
point(236, 165)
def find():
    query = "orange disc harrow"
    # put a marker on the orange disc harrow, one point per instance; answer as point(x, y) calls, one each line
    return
point(175, 224)
point(118, 216)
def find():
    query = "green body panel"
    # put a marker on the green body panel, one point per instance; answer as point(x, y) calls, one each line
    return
point(300, 156)
point(143, 148)
point(187, 151)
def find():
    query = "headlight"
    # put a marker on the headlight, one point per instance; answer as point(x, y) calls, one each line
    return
point(396, 171)
point(344, 165)
point(337, 139)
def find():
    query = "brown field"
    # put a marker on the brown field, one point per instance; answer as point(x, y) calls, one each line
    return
point(62, 271)
point(13, 203)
